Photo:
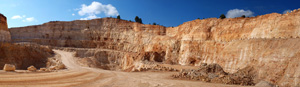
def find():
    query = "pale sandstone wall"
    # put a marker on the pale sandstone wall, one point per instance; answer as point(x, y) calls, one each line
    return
point(277, 60)
point(4, 33)
point(266, 26)
point(82, 33)
point(269, 42)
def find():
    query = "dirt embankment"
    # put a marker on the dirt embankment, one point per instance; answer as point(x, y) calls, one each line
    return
point(23, 56)
point(214, 73)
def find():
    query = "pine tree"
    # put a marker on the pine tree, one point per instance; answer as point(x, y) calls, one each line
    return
point(154, 23)
point(138, 20)
point(222, 16)
point(118, 17)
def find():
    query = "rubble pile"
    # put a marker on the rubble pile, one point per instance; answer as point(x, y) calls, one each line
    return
point(214, 73)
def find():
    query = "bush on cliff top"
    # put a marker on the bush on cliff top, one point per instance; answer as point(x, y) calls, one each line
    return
point(154, 23)
point(139, 20)
point(118, 17)
point(222, 16)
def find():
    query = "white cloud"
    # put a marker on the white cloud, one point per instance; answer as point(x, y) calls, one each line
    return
point(92, 17)
point(18, 17)
point(238, 13)
point(73, 14)
point(83, 18)
point(30, 19)
point(112, 11)
point(285, 11)
point(97, 8)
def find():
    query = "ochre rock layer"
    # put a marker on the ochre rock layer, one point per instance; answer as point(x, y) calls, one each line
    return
point(4, 33)
point(269, 43)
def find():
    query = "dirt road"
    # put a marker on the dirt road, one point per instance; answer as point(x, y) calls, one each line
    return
point(78, 76)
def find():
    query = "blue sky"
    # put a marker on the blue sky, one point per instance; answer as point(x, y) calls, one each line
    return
point(165, 12)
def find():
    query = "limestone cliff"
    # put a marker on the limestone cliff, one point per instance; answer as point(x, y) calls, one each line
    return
point(268, 42)
point(4, 33)
point(82, 33)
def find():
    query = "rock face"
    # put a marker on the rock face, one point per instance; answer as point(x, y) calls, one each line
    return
point(103, 33)
point(269, 43)
point(4, 33)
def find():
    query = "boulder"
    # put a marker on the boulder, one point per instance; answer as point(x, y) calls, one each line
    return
point(31, 68)
point(9, 67)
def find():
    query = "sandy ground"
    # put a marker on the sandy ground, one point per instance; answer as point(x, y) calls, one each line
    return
point(78, 76)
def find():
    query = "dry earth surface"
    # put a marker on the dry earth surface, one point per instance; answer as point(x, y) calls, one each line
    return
point(80, 76)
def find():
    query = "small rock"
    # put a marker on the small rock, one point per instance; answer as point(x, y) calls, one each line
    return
point(52, 68)
point(47, 70)
point(221, 75)
point(9, 67)
point(264, 84)
point(61, 66)
point(203, 64)
point(31, 68)
point(43, 69)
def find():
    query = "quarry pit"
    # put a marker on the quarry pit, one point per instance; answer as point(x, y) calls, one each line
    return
point(253, 51)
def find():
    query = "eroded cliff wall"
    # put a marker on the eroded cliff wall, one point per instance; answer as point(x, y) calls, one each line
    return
point(4, 33)
point(268, 42)
point(82, 33)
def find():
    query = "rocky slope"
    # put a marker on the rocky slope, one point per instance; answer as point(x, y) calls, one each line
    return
point(4, 33)
point(269, 43)
point(23, 56)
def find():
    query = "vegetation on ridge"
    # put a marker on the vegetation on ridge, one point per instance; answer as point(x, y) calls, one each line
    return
point(222, 16)
point(139, 20)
